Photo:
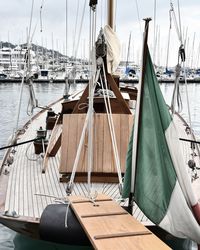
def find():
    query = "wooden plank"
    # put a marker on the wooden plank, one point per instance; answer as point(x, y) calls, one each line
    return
point(72, 130)
point(65, 143)
point(83, 99)
point(99, 147)
point(83, 199)
point(117, 132)
point(56, 133)
point(107, 148)
point(84, 152)
point(54, 141)
point(56, 146)
point(116, 230)
point(72, 140)
point(124, 139)
point(103, 161)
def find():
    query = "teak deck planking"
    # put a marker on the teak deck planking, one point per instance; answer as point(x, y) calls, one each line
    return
point(103, 152)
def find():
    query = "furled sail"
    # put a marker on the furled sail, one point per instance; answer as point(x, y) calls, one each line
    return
point(113, 49)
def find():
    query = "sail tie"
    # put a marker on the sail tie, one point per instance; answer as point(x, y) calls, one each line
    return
point(33, 102)
point(176, 97)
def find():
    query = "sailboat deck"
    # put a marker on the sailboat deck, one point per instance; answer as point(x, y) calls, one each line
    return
point(27, 184)
point(30, 191)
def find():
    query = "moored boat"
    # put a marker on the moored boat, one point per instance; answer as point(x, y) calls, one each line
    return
point(84, 158)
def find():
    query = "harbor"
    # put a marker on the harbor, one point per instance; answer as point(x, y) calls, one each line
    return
point(100, 145)
point(48, 66)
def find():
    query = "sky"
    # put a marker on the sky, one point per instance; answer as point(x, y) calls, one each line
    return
point(15, 21)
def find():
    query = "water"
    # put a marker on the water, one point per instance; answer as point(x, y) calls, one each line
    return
point(46, 93)
point(9, 95)
point(194, 102)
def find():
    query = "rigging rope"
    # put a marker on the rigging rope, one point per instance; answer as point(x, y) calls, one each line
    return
point(67, 85)
point(169, 36)
point(76, 23)
point(138, 16)
point(19, 103)
point(20, 143)
point(181, 55)
point(41, 7)
point(111, 126)
point(80, 29)
point(176, 97)
point(176, 23)
point(102, 13)
point(91, 95)
point(30, 24)
point(25, 72)
point(180, 29)
point(69, 187)
point(154, 33)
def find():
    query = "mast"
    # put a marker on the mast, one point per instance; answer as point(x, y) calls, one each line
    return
point(192, 51)
point(66, 35)
point(52, 51)
point(111, 7)
point(128, 52)
point(66, 89)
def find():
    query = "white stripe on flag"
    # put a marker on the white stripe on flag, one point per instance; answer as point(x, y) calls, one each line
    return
point(179, 220)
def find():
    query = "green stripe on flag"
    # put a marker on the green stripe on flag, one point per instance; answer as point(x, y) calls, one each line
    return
point(155, 174)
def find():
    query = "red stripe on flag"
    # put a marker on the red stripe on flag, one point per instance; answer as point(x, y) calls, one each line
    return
point(196, 212)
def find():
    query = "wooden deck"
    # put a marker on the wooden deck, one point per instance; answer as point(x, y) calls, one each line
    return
point(103, 159)
point(27, 184)
point(108, 226)
point(29, 191)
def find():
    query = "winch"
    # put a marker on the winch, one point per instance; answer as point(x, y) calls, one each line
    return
point(41, 144)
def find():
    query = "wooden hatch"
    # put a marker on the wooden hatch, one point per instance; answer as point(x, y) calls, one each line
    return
point(109, 226)
point(103, 160)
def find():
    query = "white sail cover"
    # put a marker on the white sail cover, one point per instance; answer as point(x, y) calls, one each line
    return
point(113, 49)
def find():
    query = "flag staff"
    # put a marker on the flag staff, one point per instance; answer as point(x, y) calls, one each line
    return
point(139, 101)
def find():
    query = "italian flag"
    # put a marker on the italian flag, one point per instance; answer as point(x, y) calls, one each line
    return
point(156, 174)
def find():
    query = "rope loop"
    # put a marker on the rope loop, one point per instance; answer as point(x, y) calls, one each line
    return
point(182, 52)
